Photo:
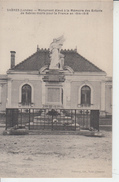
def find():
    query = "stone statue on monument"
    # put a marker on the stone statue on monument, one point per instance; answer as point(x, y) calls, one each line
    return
point(56, 57)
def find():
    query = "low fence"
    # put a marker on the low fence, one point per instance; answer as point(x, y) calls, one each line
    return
point(54, 119)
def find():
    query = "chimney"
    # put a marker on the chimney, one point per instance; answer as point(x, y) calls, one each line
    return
point(75, 49)
point(38, 48)
point(12, 59)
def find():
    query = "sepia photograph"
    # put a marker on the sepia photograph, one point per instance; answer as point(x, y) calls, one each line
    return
point(56, 71)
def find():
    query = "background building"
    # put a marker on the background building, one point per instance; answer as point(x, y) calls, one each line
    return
point(77, 84)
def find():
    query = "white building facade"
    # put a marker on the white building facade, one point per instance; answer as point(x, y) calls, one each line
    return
point(79, 85)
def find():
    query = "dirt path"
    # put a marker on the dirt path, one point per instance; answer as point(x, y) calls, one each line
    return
point(55, 156)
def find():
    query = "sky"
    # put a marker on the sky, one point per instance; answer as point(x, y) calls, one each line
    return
point(90, 33)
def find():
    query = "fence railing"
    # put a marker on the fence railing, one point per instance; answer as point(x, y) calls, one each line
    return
point(54, 119)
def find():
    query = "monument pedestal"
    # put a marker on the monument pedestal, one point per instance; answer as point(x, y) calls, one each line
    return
point(54, 76)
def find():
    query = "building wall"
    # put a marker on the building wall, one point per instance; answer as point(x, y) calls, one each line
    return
point(15, 93)
point(37, 93)
point(108, 98)
point(95, 94)
point(10, 91)
point(36, 86)
point(3, 96)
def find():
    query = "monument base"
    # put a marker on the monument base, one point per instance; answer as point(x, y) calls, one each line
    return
point(54, 76)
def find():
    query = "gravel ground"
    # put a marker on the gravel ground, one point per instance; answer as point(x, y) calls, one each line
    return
point(55, 156)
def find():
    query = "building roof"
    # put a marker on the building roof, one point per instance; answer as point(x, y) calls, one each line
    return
point(71, 58)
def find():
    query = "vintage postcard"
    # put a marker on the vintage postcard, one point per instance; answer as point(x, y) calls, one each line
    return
point(56, 89)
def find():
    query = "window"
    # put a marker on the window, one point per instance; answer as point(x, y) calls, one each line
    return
point(55, 95)
point(85, 96)
point(26, 94)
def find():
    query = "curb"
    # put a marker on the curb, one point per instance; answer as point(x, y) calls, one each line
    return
point(52, 132)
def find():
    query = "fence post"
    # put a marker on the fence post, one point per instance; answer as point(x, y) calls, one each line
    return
point(29, 119)
point(94, 119)
point(12, 118)
point(75, 119)
point(6, 118)
point(52, 122)
point(21, 116)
